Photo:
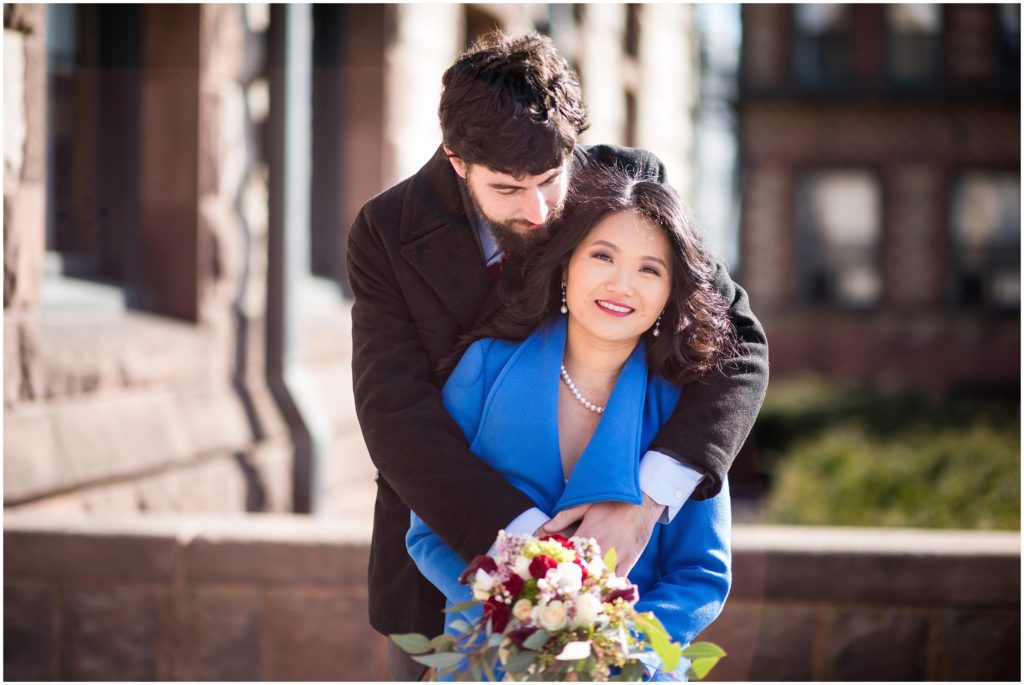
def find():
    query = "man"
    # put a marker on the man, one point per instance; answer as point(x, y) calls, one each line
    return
point(425, 262)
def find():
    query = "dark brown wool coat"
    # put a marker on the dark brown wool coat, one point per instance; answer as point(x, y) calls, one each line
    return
point(420, 282)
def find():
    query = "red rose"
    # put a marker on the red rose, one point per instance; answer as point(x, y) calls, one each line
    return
point(540, 565)
point(582, 568)
point(628, 594)
point(514, 585)
point(498, 612)
point(560, 539)
point(482, 561)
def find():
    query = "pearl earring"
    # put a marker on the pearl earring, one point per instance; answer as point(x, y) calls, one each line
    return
point(657, 326)
point(564, 309)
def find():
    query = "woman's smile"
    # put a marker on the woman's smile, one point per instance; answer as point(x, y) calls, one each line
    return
point(614, 308)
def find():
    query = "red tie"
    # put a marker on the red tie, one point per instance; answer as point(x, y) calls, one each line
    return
point(494, 270)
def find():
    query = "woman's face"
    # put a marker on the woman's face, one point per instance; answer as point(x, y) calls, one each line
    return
point(619, 278)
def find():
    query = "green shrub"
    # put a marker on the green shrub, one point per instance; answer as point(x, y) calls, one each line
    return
point(952, 477)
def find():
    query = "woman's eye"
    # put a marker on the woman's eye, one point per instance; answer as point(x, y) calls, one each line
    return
point(603, 256)
point(651, 270)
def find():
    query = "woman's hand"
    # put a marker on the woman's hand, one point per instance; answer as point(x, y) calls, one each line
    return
point(625, 527)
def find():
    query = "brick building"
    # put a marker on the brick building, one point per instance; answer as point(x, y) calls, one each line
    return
point(176, 330)
point(880, 156)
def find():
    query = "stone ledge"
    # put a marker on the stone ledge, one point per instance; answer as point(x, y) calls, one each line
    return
point(247, 548)
point(968, 568)
point(914, 567)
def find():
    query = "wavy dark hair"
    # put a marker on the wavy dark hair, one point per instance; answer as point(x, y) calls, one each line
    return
point(512, 103)
point(697, 338)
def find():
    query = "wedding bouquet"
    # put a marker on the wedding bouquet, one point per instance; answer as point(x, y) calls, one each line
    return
point(553, 609)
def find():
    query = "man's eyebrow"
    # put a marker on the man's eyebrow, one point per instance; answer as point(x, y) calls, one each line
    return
point(511, 186)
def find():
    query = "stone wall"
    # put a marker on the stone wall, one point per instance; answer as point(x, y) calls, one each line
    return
point(272, 597)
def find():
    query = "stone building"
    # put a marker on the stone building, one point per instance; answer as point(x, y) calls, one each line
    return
point(880, 156)
point(176, 326)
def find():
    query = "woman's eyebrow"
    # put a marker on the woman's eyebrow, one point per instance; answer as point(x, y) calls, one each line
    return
point(611, 246)
point(615, 248)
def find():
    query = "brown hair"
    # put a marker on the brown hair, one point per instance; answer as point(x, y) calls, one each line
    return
point(512, 103)
point(697, 337)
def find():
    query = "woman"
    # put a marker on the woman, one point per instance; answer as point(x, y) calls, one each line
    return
point(565, 388)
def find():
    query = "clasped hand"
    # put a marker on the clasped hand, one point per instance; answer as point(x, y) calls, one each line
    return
point(625, 527)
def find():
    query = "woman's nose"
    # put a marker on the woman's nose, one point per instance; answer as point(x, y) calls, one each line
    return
point(621, 281)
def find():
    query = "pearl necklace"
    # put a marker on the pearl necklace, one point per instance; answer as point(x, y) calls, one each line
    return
point(597, 409)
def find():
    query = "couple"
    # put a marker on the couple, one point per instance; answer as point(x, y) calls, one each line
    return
point(650, 330)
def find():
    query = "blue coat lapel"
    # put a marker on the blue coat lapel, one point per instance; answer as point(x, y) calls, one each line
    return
point(518, 431)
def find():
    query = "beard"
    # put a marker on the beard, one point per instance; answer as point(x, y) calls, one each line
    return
point(514, 236)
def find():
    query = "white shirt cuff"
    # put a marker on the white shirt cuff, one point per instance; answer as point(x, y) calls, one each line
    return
point(526, 523)
point(667, 482)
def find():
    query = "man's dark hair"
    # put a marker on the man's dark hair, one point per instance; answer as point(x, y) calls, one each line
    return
point(513, 104)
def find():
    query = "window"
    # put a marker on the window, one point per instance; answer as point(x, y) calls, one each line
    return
point(821, 49)
point(839, 228)
point(1009, 45)
point(985, 241)
point(914, 44)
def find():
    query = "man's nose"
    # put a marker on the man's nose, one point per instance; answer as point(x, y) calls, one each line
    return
point(536, 209)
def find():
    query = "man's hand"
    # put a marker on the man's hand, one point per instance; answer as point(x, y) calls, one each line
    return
point(625, 527)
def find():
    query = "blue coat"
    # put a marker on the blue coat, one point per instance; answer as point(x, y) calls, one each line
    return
point(504, 396)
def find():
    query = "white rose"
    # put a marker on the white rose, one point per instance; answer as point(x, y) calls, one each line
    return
point(552, 616)
point(482, 585)
point(521, 566)
point(522, 609)
point(570, 576)
point(588, 608)
point(596, 567)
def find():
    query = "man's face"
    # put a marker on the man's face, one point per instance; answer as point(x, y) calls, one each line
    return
point(519, 210)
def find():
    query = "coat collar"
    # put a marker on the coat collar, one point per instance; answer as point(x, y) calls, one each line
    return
point(438, 241)
point(521, 414)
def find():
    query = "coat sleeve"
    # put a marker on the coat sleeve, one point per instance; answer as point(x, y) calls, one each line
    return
point(695, 563)
point(415, 445)
point(464, 395)
point(715, 415)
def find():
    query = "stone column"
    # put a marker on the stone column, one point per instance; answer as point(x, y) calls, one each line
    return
point(24, 155)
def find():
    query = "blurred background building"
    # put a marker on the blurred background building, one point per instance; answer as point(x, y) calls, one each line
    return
point(179, 181)
point(880, 153)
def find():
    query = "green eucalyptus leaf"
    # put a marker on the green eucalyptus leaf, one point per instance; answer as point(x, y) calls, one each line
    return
point(702, 650)
point(413, 643)
point(489, 672)
point(537, 640)
point(474, 666)
point(439, 661)
point(461, 606)
point(460, 626)
point(519, 662)
point(443, 642)
point(699, 668)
